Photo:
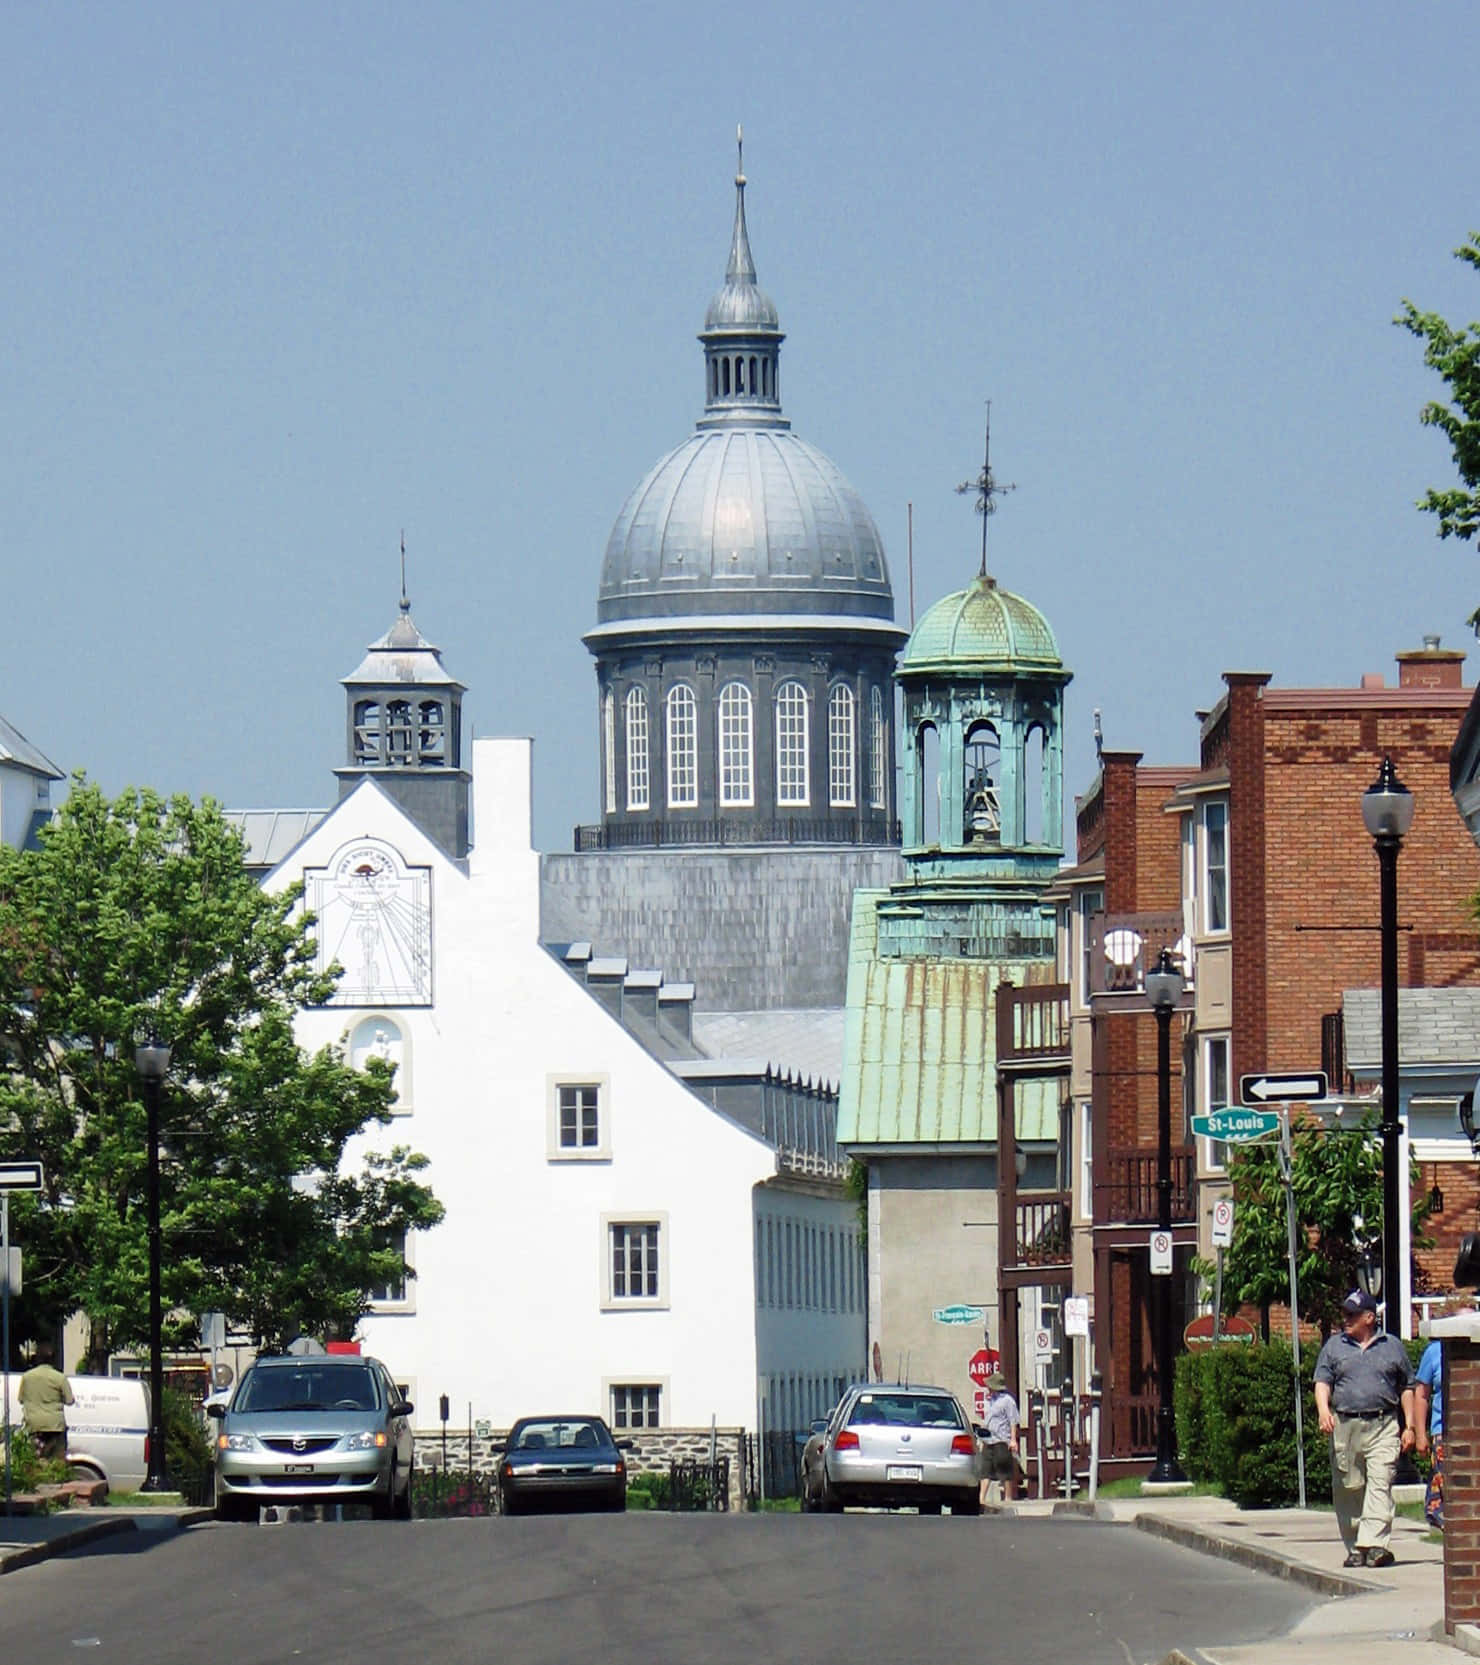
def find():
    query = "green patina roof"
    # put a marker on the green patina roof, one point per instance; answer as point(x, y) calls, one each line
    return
point(919, 1054)
point(982, 627)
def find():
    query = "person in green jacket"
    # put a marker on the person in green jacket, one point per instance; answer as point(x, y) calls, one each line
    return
point(45, 1393)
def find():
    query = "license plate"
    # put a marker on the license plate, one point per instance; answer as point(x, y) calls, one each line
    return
point(297, 1468)
point(903, 1471)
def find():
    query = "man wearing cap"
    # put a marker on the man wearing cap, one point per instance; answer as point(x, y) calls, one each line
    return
point(999, 1454)
point(1364, 1399)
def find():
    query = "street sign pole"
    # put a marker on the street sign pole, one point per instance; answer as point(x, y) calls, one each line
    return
point(5, 1330)
point(1218, 1297)
point(1287, 1164)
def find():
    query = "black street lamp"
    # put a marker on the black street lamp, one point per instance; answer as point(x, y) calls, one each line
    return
point(1164, 988)
point(1387, 809)
point(152, 1060)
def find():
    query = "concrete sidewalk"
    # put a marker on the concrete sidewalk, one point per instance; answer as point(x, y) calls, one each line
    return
point(26, 1539)
point(1375, 1616)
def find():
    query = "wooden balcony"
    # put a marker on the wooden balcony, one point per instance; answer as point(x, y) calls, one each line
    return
point(1033, 1029)
point(1127, 1194)
point(1043, 1228)
point(1123, 947)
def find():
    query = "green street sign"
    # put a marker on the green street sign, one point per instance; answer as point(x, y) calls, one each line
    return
point(959, 1314)
point(1235, 1126)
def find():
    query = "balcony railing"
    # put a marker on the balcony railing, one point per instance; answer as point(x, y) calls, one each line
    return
point(1128, 1194)
point(1123, 947)
point(652, 835)
point(1032, 1025)
point(1043, 1229)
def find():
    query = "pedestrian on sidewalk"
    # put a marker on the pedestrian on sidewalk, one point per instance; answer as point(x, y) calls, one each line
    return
point(44, 1394)
point(1365, 1402)
point(1428, 1428)
point(1002, 1420)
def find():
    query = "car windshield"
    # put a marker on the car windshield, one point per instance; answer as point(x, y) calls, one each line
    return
point(560, 1434)
point(905, 1410)
point(308, 1388)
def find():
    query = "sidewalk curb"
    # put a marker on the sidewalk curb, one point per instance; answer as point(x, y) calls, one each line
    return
point(27, 1555)
point(1260, 1560)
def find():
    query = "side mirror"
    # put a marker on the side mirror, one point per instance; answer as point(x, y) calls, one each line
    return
point(818, 1425)
point(217, 1411)
point(626, 1445)
point(406, 1408)
point(1467, 1265)
point(979, 1430)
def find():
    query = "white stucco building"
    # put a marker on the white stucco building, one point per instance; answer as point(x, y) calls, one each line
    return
point(616, 1237)
point(26, 775)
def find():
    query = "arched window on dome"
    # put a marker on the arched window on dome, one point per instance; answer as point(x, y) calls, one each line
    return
point(842, 792)
point(878, 749)
point(637, 749)
point(982, 786)
point(1035, 807)
point(609, 752)
point(431, 734)
point(765, 378)
point(726, 364)
point(683, 747)
point(926, 829)
point(367, 732)
point(398, 734)
point(792, 785)
point(739, 374)
point(736, 747)
point(752, 376)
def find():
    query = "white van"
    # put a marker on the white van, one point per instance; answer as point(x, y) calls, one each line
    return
point(107, 1428)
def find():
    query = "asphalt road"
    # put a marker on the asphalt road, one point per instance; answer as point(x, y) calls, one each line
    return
point(672, 1589)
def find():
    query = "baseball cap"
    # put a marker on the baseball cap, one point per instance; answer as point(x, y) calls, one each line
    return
point(1358, 1301)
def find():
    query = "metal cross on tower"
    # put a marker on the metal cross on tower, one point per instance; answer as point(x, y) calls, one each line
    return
point(986, 488)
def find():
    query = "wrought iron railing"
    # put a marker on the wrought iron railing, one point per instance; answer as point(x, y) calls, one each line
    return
point(697, 1486)
point(1128, 1194)
point(649, 835)
point(1130, 1419)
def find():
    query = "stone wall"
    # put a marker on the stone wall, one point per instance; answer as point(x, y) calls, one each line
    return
point(656, 1449)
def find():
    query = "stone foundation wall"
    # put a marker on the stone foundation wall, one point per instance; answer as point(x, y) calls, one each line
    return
point(656, 1450)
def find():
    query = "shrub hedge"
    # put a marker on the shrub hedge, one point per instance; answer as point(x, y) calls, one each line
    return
point(1236, 1424)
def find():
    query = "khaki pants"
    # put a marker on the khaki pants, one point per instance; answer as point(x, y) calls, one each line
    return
point(1363, 1457)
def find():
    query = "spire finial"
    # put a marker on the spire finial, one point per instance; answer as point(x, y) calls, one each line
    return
point(742, 267)
point(986, 488)
point(740, 155)
point(405, 604)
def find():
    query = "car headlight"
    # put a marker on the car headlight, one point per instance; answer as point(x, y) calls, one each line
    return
point(368, 1441)
point(237, 1442)
point(605, 1468)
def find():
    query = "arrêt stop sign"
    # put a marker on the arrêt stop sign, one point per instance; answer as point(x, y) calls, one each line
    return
point(983, 1362)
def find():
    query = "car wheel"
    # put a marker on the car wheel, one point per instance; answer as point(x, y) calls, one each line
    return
point(617, 1503)
point(383, 1507)
point(809, 1503)
point(832, 1504)
point(929, 1508)
point(230, 1507)
point(402, 1505)
point(508, 1504)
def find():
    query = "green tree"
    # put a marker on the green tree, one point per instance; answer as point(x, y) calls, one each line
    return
point(1336, 1176)
point(137, 916)
point(1455, 354)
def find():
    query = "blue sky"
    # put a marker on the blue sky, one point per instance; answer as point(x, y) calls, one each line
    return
point(283, 280)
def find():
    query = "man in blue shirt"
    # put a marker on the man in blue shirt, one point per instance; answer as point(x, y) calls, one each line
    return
point(1428, 1411)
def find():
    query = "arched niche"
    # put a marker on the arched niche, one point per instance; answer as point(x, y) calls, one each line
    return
point(381, 1036)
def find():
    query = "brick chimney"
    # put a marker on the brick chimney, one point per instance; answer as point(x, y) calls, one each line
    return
point(1430, 666)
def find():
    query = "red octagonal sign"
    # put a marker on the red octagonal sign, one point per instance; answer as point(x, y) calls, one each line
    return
point(983, 1362)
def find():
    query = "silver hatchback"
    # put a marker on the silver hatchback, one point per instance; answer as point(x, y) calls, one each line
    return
point(320, 1429)
point(893, 1445)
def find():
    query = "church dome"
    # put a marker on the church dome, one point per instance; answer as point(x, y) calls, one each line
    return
point(747, 520)
point(981, 628)
point(743, 519)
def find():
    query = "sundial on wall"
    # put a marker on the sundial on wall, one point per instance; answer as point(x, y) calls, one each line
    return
point(375, 919)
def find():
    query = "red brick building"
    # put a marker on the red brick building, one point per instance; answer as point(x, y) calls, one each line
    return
point(1255, 867)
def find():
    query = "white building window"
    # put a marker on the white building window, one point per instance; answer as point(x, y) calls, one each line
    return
point(1214, 1096)
point(637, 749)
point(792, 786)
point(609, 751)
point(1087, 1161)
point(841, 793)
point(736, 747)
point(1214, 819)
point(683, 748)
point(578, 1118)
point(878, 746)
point(1087, 904)
point(637, 1405)
point(636, 1262)
point(393, 1293)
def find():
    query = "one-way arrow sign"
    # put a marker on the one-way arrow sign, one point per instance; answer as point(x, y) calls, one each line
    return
point(20, 1176)
point(1302, 1087)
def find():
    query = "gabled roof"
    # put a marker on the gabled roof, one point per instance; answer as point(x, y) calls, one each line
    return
point(16, 749)
point(1435, 1027)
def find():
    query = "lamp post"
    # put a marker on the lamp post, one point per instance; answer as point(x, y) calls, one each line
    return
point(1387, 810)
point(152, 1060)
point(1164, 988)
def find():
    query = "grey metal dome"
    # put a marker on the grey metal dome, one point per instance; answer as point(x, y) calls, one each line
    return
point(744, 520)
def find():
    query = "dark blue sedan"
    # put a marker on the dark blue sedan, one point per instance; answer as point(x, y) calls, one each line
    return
point(560, 1462)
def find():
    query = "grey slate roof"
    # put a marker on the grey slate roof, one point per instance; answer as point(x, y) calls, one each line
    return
point(806, 1042)
point(272, 834)
point(17, 749)
point(1435, 1026)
